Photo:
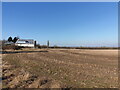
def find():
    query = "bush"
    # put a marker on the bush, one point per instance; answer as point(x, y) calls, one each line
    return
point(10, 47)
point(43, 46)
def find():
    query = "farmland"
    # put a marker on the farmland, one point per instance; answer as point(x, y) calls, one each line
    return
point(60, 68)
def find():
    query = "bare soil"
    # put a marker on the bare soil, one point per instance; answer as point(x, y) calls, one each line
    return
point(60, 68)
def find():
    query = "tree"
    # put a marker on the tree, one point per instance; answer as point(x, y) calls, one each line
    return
point(35, 44)
point(15, 39)
point(10, 39)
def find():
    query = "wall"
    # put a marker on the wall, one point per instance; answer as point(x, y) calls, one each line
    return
point(25, 45)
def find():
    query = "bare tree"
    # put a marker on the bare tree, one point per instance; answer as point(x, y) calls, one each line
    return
point(15, 39)
point(10, 39)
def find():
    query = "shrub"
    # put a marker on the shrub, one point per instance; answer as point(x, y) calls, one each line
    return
point(10, 47)
point(43, 46)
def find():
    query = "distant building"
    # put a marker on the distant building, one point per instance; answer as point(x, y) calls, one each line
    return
point(8, 43)
point(25, 43)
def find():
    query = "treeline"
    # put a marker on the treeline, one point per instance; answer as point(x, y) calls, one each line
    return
point(65, 47)
point(55, 47)
point(85, 47)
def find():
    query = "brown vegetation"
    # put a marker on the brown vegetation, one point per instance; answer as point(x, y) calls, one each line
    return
point(60, 68)
point(6, 47)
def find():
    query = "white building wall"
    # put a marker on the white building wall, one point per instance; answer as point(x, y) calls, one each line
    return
point(25, 45)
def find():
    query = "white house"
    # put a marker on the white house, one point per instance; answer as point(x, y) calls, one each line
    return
point(25, 43)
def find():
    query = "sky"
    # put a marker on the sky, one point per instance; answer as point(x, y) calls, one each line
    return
point(62, 23)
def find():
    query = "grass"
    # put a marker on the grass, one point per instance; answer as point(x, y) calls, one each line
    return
point(42, 64)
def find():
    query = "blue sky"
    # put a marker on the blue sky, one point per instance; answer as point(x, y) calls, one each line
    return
point(62, 23)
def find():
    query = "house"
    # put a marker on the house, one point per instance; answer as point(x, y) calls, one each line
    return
point(8, 43)
point(25, 43)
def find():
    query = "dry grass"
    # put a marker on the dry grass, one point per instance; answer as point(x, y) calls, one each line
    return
point(67, 67)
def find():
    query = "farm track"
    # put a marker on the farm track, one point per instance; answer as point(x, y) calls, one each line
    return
point(61, 68)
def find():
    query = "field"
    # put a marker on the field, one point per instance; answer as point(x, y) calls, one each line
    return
point(60, 68)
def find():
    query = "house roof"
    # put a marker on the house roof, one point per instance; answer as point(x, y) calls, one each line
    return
point(31, 41)
point(25, 40)
point(9, 42)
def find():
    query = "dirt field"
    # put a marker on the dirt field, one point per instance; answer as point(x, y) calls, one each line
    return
point(60, 68)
